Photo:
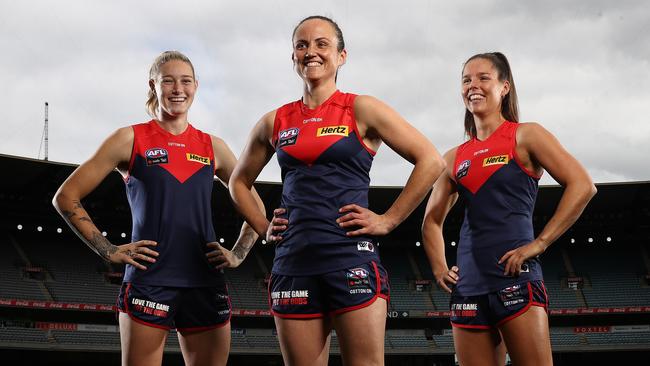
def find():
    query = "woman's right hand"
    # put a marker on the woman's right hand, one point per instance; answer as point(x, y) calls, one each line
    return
point(447, 276)
point(129, 253)
point(277, 225)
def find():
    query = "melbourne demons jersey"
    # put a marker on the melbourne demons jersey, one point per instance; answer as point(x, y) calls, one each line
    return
point(500, 196)
point(169, 188)
point(325, 166)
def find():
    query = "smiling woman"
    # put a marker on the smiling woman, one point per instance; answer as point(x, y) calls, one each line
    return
point(173, 276)
point(498, 276)
point(326, 273)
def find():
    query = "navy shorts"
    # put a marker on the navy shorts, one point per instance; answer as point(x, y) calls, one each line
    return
point(495, 308)
point(316, 296)
point(183, 308)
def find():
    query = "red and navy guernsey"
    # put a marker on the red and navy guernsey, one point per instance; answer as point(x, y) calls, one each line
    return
point(499, 194)
point(325, 166)
point(169, 188)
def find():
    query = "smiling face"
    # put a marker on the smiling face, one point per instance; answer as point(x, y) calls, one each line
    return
point(482, 91)
point(315, 53)
point(175, 87)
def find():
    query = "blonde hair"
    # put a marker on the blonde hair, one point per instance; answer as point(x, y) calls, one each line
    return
point(152, 98)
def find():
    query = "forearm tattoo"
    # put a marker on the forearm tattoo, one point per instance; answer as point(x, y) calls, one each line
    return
point(98, 243)
point(101, 245)
point(244, 244)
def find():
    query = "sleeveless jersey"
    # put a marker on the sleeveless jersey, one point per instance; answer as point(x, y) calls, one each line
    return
point(500, 197)
point(325, 166)
point(169, 189)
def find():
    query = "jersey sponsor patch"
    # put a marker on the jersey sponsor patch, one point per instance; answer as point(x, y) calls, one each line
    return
point(365, 246)
point(333, 130)
point(496, 160)
point(156, 155)
point(198, 158)
point(463, 168)
point(288, 137)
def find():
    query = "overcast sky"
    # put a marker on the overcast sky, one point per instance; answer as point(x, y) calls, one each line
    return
point(582, 69)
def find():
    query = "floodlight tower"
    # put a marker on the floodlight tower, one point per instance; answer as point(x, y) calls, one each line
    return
point(45, 132)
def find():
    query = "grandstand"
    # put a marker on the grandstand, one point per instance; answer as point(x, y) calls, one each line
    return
point(57, 297)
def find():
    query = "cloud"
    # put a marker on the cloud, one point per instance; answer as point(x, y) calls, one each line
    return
point(580, 69)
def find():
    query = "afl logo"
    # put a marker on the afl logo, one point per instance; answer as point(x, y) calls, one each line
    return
point(288, 137)
point(357, 273)
point(157, 155)
point(365, 246)
point(463, 168)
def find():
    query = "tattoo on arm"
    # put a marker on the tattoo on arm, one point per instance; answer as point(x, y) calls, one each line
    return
point(101, 245)
point(69, 215)
point(245, 243)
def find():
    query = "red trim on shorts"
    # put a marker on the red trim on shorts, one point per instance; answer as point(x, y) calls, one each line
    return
point(467, 326)
point(367, 303)
point(140, 321)
point(126, 297)
point(525, 309)
point(545, 293)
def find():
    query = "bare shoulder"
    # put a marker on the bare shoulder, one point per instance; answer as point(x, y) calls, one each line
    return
point(117, 147)
point(450, 155)
point(528, 129)
point(367, 103)
point(263, 130)
point(217, 141)
point(122, 135)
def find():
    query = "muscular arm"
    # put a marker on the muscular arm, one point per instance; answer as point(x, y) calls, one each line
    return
point(545, 151)
point(67, 200)
point(256, 155)
point(378, 122)
point(226, 162)
point(442, 199)
point(538, 149)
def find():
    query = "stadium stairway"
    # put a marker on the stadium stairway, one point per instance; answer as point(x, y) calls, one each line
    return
point(46, 293)
point(418, 276)
point(572, 273)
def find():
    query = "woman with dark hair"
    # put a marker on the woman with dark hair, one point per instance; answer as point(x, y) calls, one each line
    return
point(174, 276)
point(498, 290)
point(326, 273)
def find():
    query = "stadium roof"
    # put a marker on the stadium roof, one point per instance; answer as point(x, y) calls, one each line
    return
point(29, 185)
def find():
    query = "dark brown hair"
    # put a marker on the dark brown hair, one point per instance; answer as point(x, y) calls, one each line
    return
point(340, 45)
point(509, 104)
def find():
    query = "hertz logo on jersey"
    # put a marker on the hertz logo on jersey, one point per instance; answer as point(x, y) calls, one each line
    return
point(198, 158)
point(496, 160)
point(333, 130)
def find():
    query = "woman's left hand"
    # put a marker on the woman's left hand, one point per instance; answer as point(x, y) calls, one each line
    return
point(515, 258)
point(364, 221)
point(222, 257)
